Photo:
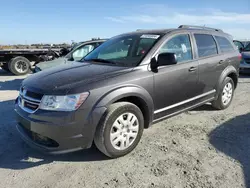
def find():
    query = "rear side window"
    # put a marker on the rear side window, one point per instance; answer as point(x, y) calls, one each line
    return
point(224, 44)
point(206, 45)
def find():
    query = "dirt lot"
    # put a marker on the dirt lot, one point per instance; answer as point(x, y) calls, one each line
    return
point(199, 148)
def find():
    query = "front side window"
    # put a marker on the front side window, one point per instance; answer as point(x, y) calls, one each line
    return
point(82, 51)
point(206, 45)
point(124, 50)
point(181, 46)
point(224, 44)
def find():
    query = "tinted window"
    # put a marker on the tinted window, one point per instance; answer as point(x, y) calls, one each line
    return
point(181, 46)
point(224, 44)
point(206, 45)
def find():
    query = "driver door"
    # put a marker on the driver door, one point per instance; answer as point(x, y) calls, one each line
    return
point(176, 84)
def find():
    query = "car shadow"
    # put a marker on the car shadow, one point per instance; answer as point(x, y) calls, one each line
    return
point(5, 73)
point(11, 84)
point(16, 154)
point(233, 139)
point(24, 157)
point(205, 107)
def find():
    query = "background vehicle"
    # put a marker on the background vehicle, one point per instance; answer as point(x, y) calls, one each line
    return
point(125, 85)
point(245, 52)
point(241, 43)
point(76, 54)
point(18, 61)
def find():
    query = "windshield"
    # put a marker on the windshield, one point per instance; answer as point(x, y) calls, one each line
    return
point(125, 50)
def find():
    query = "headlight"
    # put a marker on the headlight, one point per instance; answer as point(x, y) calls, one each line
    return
point(63, 103)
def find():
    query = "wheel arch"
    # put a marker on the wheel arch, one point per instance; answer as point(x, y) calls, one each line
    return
point(133, 94)
point(231, 72)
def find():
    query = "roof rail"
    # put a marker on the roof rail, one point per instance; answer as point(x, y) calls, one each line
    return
point(97, 38)
point(199, 27)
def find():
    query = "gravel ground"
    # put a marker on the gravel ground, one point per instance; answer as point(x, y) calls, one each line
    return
point(199, 148)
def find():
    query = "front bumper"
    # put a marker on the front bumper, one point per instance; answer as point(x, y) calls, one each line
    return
point(58, 132)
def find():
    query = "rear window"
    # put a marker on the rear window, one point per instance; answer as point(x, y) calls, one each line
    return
point(206, 45)
point(224, 44)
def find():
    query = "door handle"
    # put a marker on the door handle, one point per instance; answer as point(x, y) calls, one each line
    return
point(192, 69)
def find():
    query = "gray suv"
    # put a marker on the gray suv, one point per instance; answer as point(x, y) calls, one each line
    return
point(125, 85)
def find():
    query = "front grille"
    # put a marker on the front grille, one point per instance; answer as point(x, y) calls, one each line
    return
point(29, 101)
point(34, 95)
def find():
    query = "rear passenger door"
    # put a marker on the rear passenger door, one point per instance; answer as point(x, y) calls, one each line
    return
point(211, 63)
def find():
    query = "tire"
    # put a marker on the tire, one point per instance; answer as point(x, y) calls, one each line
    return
point(5, 67)
point(107, 124)
point(19, 65)
point(219, 104)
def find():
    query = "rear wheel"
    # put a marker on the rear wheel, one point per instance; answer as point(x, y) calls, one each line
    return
point(120, 129)
point(226, 94)
point(19, 65)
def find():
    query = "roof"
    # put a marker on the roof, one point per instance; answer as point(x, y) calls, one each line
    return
point(93, 40)
point(181, 27)
point(152, 31)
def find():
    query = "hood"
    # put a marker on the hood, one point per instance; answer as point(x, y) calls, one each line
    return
point(68, 79)
point(245, 55)
point(53, 63)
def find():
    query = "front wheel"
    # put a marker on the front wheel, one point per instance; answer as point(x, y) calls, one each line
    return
point(226, 94)
point(120, 129)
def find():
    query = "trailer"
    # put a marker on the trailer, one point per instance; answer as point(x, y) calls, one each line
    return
point(19, 61)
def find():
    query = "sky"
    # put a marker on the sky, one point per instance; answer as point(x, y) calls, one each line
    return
point(54, 21)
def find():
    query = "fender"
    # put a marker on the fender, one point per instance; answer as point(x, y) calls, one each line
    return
point(128, 91)
point(228, 70)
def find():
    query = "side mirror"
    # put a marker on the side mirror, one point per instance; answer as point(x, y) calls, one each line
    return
point(163, 60)
point(166, 59)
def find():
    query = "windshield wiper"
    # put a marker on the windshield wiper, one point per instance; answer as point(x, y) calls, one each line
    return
point(101, 60)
